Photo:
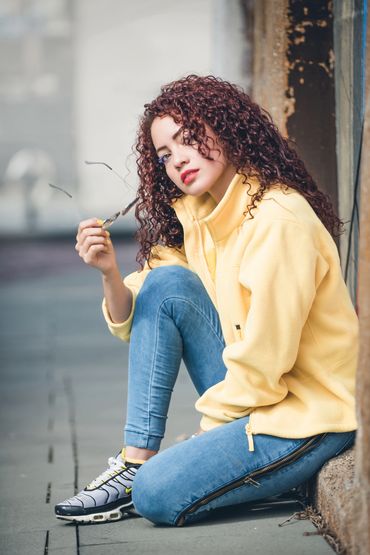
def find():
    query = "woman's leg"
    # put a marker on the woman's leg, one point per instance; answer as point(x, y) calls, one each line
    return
point(184, 482)
point(174, 318)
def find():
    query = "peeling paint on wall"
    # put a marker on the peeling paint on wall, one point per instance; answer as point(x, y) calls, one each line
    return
point(289, 103)
point(310, 95)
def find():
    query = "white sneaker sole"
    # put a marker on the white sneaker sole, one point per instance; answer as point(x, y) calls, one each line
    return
point(95, 518)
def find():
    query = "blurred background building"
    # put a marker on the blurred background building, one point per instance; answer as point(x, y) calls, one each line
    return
point(75, 75)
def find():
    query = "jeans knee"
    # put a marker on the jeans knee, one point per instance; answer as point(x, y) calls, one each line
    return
point(168, 274)
point(151, 495)
point(169, 280)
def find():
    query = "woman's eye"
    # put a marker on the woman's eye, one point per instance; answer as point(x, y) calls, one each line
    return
point(162, 160)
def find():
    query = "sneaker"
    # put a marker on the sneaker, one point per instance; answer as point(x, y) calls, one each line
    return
point(107, 498)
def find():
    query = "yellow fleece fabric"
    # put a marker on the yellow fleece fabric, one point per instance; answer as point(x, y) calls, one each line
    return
point(290, 328)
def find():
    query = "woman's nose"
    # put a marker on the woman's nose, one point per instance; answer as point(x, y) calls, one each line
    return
point(180, 158)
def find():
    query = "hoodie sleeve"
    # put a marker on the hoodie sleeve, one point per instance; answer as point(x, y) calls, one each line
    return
point(160, 256)
point(280, 270)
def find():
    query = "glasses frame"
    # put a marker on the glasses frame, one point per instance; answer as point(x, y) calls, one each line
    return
point(108, 221)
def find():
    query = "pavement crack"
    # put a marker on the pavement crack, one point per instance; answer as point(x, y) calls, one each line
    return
point(77, 540)
point(68, 388)
point(46, 546)
point(51, 454)
point(48, 493)
point(72, 425)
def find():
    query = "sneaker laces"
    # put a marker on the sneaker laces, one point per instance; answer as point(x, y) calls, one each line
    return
point(115, 466)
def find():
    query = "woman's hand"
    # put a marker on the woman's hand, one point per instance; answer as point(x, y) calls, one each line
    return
point(95, 247)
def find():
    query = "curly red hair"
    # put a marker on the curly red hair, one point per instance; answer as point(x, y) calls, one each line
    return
point(250, 142)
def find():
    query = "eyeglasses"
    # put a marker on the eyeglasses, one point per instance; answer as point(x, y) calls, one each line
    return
point(108, 221)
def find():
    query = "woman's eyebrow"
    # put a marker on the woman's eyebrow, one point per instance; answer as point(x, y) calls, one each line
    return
point(173, 138)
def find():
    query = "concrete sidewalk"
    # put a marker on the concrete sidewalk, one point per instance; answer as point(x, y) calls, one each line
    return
point(63, 385)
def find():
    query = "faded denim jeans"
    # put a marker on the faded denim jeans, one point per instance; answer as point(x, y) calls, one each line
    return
point(175, 319)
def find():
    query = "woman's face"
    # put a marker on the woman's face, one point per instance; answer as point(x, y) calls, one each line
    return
point(185, 166)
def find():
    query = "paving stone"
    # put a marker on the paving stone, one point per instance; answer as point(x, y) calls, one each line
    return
point(30, 542)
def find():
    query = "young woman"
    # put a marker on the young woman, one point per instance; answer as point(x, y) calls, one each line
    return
point(241, 279)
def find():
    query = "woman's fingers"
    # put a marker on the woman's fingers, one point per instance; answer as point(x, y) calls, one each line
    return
point(90, 241)
point(84, 232)
point(94, 245)
point(90, 256)
point(97, 231)
point(91, 222)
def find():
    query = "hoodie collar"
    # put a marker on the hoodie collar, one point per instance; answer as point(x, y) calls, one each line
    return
point(220, 218)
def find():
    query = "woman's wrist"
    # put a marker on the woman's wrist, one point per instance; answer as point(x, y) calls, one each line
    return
point(118, 297)
point(111, 274)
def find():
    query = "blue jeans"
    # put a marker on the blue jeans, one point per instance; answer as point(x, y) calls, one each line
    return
point(175, 319)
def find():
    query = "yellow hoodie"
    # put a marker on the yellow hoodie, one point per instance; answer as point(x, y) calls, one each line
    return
point(290, 328)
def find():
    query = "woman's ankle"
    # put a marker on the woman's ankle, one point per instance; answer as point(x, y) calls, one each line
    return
point(137, 455)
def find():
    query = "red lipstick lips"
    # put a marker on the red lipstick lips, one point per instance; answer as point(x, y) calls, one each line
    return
point(188, 176)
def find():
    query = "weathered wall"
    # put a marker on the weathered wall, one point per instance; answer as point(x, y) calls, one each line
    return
point(334, 490)
point(293, 73)
point(348, 43)
point(270, 79)
point(343, 485)
point(310, 69)
point(361, 528)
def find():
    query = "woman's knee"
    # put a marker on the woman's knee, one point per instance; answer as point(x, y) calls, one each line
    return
point(153, 494)
point(171, 280)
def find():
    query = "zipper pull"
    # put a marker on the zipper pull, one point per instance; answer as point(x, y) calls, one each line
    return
point(250, 480)
point(238, 331)
point(248, 430)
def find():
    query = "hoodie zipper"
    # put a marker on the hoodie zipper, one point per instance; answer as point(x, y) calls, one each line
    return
point(248, 429)
point(250, 478)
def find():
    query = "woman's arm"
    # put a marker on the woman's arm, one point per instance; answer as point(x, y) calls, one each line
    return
point(118, 297)
point(94, 246)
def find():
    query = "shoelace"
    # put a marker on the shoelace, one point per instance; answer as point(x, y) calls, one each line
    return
point(115, 465)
